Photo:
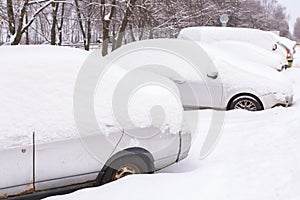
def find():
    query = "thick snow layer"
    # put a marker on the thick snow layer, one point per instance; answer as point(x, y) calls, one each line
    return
point(257, 157)
point(34, 83)
point(264, 39)
point(37, 84)
point(250, 52)
point(238, 73)
point(287, 42)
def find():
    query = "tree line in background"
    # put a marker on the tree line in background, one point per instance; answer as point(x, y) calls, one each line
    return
point(297, 29)
point(115, 22)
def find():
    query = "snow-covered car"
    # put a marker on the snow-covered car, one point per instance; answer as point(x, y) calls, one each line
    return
point(214, 80)
point(290, 48)
point(262, 39)
point(243, 84)
point(252, 53)
point(43, 150)
point(288, 43)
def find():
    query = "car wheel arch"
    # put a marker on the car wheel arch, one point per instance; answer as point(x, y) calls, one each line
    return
point(144, 154)
point(244, 94)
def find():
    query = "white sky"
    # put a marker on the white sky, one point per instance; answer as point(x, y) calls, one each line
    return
point(293, 8)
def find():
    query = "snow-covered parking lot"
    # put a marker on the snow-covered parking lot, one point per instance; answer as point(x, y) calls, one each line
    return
point(257, 157)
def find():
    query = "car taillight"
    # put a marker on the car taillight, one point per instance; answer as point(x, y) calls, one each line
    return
point(289, 55)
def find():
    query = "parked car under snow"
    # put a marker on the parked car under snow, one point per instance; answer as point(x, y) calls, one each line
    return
point(250, 53)
point(290, 48)
point(263, 39)
point(218, 82)
point(41, 149)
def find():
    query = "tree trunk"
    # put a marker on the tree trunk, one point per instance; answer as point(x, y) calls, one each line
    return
point(27, 31)
point(60, 36)
point(106, 25)
point(87, 42)
point(11, 18)
point(54, 23)
point(125, 22)
point(19, 31)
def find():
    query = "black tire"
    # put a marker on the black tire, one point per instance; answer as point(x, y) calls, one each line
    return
point(123, 166)
point(245, 103)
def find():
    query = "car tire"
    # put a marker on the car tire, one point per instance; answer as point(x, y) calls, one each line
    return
point(124, 166)
point(246, 103)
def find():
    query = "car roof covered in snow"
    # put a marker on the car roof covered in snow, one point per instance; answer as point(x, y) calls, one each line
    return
point(264, 39)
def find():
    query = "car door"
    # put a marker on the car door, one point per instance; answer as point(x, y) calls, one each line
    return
point(74, 160)
point(16, 171)
point(206, 92)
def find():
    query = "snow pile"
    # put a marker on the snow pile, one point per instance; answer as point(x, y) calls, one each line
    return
point(256, 158)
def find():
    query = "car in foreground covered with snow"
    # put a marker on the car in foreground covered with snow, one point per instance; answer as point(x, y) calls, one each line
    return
point(262, 39)
point(43, 149)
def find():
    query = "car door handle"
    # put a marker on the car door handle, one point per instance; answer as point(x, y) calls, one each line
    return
point(213, 75)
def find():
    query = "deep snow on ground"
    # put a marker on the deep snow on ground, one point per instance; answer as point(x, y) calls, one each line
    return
point(257, 157)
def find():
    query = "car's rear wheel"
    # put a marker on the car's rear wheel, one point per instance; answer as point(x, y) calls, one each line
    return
point(245, 103)
point(124, 166)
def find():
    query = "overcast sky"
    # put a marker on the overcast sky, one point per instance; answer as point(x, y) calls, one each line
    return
point(293, 8)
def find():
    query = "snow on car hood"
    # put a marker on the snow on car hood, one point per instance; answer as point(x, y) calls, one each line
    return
point(239, 74)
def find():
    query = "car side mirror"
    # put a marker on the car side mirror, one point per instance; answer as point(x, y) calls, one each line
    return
point(275, 47)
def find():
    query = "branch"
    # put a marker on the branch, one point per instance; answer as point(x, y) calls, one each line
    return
point(35, 14)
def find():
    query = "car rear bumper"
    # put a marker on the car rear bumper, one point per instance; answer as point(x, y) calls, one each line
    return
point(185, 145)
